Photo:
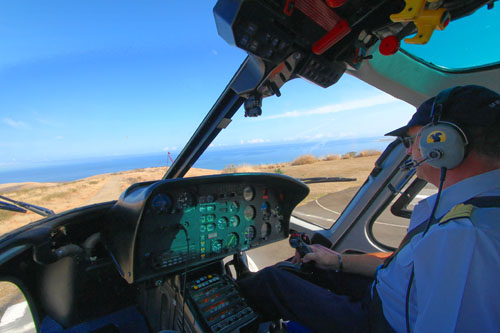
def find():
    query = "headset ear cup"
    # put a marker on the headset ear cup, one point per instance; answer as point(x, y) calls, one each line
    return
point(444, 140)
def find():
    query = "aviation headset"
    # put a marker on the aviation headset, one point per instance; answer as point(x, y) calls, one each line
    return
point(442, 144)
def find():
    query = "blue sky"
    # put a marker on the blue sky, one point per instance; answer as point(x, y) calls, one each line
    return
point(105, 78)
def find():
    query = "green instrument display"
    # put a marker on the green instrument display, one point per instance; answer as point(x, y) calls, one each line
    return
point(169, 225)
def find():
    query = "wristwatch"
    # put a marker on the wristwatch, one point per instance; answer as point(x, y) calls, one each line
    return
point(340, 267)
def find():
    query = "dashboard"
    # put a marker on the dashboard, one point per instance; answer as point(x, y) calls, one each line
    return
point(163, 227)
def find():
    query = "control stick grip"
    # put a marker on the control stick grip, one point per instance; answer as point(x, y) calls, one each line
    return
point(297, 241)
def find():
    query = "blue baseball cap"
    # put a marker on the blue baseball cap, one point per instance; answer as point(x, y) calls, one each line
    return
point(467, 105)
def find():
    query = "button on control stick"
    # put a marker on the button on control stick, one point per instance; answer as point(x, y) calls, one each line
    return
point(299, 242)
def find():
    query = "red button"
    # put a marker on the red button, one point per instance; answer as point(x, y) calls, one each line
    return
point(389, 45)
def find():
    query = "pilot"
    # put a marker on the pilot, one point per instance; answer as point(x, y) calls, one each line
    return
point(444, 275)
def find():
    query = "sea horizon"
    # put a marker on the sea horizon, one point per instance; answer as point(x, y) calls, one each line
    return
point(216, 158)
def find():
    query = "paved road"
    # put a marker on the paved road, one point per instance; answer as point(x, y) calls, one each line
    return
point(17, 319)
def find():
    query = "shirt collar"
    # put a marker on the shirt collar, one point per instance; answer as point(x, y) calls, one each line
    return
point(465, 190)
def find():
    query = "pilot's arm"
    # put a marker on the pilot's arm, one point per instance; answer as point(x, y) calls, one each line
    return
point(325, 258)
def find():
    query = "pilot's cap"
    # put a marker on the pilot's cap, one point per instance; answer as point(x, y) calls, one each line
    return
point(467, 105)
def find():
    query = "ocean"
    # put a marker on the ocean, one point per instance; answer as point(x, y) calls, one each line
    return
point(214, 158)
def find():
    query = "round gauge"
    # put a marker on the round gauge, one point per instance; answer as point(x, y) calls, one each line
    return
point(222, 223)
point(234, 221)
point(233, 206)
point(248, 193)
point(249, 213)
point(250, 232)
point(210, 227)
point(217, 245)
point(265, 230)
point(161, 203)
point(232, 240)
point(265, 208)
point(185, 201)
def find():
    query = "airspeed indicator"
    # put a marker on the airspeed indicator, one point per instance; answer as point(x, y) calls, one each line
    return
point(232, 240)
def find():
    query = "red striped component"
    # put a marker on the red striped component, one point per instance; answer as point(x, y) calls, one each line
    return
point(341, 30)
point(325, 17)
point(319, 12)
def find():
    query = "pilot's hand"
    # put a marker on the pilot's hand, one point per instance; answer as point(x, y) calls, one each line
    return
point(323, 257)
point(296, 259)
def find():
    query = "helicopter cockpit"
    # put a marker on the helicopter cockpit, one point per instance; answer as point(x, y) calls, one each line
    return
point(164, 256)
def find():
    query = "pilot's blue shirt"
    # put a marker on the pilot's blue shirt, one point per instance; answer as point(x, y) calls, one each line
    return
point(457, 266)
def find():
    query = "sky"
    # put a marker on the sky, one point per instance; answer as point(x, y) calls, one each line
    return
point(93, 78)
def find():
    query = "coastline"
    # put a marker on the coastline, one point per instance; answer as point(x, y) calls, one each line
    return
point(215, 158)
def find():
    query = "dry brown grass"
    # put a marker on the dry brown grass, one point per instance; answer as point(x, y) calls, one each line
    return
point(369, 152)
point(304, 159)
point(331, 157)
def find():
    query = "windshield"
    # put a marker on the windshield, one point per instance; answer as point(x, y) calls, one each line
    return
point(97, 96)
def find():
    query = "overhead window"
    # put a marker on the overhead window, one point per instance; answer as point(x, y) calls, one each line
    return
point(471, 41)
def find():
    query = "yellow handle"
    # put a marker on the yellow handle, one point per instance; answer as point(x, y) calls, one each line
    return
point(427, 22)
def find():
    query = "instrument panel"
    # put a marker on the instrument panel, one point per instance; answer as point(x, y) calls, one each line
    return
point(166, 226)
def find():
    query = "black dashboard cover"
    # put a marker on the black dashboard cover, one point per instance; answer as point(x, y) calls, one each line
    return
point(162, 227)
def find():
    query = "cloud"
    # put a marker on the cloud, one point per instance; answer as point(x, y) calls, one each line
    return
point(170, 149)
point(258, 141)
point(214, 52)
point(15, 123)
point(351, 105)
point(59, 137)
point(254, 141)
point(304, 137)
point(213, 145)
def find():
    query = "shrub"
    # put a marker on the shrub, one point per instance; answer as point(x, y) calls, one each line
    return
point(305, 159)
point(239, 168)
point(349, 155)
point(229, 168)
point(331, 157)
point(369, 152)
